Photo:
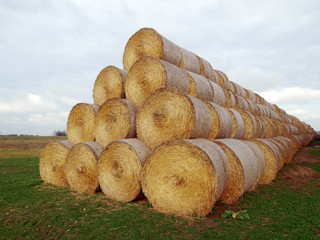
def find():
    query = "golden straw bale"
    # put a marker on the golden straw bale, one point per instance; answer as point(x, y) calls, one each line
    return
point(119, 169)
point(219, 94)
point(224, 81)
point(276, 108)
point(189, 61)
point(259, 126)
point(239, 90)
point(283, 151)
point(231, 86)
point(81, 167)
point(185, 177)
point(251, 96)
point(150, 74)
point(221, 121)
point(239, 103)
point(116, 119)
point(289, 145)
point(250, 124)
point(271, 161)
point(200, 86)
point(52, 162)
point(81, 120)
point(260, 160)
point(109, 84)
point(263, 127)
point(246, 105)
point(237, 124)
point(206, 69)
point(276, 151)
point(253, 107)
point(216, 77)
point(169, 115)
point(243, 169)
point(148, 42)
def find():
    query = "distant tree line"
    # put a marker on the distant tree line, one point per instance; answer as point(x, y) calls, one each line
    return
point(59, 133)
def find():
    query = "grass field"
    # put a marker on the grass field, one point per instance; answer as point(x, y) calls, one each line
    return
point(289, 208)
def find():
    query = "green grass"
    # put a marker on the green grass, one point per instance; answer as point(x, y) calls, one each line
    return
point(31, 209)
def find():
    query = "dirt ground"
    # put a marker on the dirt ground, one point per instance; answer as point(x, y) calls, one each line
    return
point(24, 146)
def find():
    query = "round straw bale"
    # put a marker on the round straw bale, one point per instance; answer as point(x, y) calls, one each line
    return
point(221, 121)
point(109, 84)
point(276, 108)
point(243, 169)
point(52, 162)
point(231, 86)
point(259, 126)
point(289, 145)
point(216, 77)
point(251, 95)
point(246, 105)
point(253, 107)
point(224, 81)
point(148, 42)
point(206, 69)
point(189, 61)
point(81, 167)
point(271, 164)
point(261, 161)
point(263, 127)
point(239, 90)
point(116, 119)
point(169, 115)
point(185, 177)
point(239, 103)
point(219, 94)
point(270, 128)
point(119, 169)
point(150, 74)
point(283, 152)
point(200, 86)
point(237, 124)
point(250, 124)
point(276, 150)
point(297, 140)
point(81, 120)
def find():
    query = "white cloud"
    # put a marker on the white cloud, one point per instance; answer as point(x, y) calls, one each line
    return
point(52, 118)
point(28, 102)
point(293, 95)
point(54, 50)
point(256, 79)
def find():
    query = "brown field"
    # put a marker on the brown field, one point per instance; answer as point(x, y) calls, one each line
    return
point(24, 146)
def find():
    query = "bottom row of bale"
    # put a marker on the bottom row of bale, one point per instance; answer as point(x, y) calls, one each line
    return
point(181, 177)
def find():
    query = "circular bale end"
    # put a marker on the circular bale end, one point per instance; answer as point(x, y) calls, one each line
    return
point(145, 42)
point(166, 115)
point(116, 119)
point(80, 125)
point(145, 77)
point(119, 169)
point(81, 167)
point(52, 163)
point(179, 178)
point(109, 84)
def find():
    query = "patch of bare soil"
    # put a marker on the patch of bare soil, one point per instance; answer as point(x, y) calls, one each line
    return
point(301, 174)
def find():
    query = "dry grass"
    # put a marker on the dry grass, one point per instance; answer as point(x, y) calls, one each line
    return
point(24, 146)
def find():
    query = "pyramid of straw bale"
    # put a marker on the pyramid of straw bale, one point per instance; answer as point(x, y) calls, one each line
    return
point(170, 127)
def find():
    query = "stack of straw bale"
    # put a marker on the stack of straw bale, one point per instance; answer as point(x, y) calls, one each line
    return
point(174, 129)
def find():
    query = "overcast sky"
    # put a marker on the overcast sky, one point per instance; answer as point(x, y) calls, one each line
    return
point(52, 51)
